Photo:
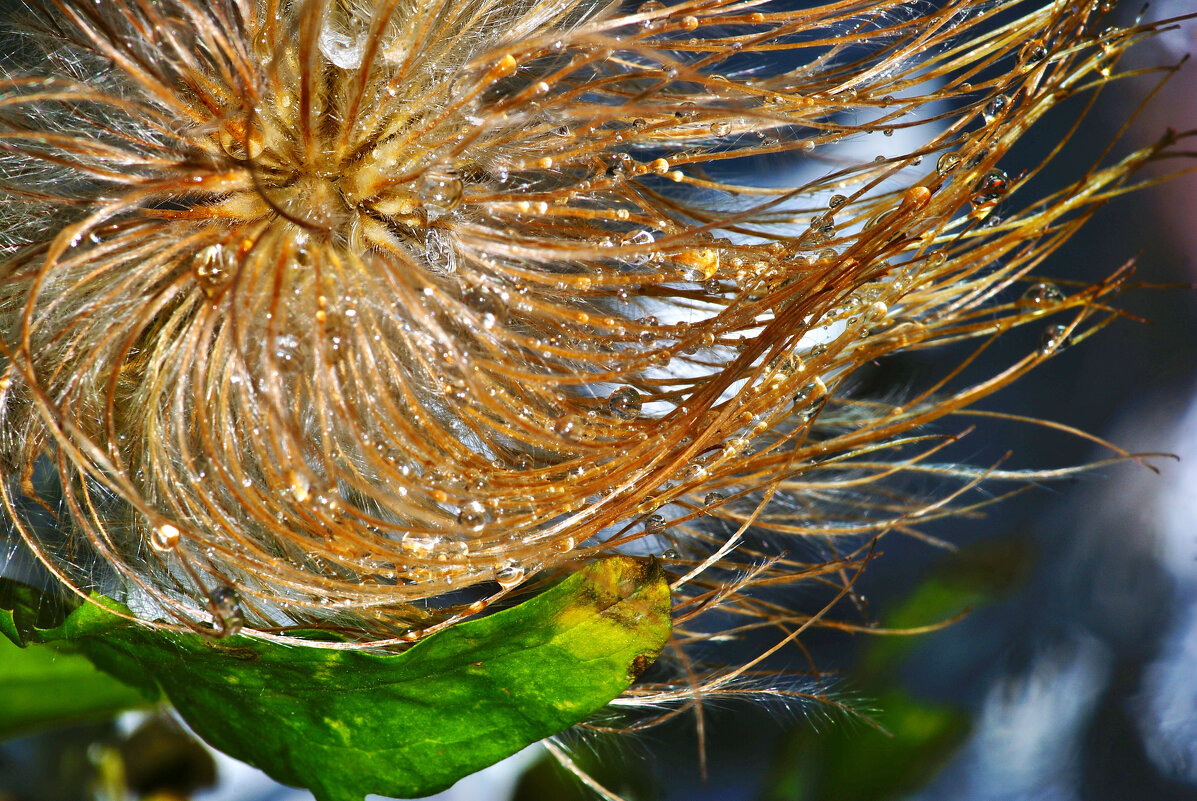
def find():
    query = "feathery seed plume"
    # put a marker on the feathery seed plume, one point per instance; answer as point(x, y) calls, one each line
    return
point(364, 313)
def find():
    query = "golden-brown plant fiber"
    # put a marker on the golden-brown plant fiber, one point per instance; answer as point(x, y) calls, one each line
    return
point(361, 313)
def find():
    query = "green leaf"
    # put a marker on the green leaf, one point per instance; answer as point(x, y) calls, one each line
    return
point(43, 687)
point(24, 608)
point(346, 723)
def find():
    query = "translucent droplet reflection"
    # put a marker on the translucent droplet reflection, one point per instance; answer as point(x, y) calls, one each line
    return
point(1054, 338)
point(440, 191)
point(473, 516)
point(225, 606)
point(625, 403)
point(165, 537)
point(510, 574)
point(1042, 294)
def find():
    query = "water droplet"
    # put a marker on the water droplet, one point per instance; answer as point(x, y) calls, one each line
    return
point(721, 128)
point(670, 553)
point(625, 403)
point(341, 48)
point(836, 201)
point(1054, 338)
point(712, 287)
point(440, 251)
point(511, 574)
point(165, 537)
point(1042, 294)
point(810, 399)
point(1032, 53)
point(225, 605)
point(650, 6)
point(994, 108)
point(473, 516)
point(214, 266)
point(654, 524)
point(1105, 65)
point(698, 264)
point(714, 499)
point(947, 162)
point(991, 188)
point(440, 190)
point(485, 301)
point(640, 239)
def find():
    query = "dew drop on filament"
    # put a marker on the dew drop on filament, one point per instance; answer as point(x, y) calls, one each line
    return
point(1054, 338)
point(947, 163)
point(511, 574)
point(165, 537)
point(625, 403)
point(991, 188)
point(473, 516)
point(994, 108)
point(440, 190)
point(440, 251)
point(342, 49)
point(214, 267)
point(1042, 294)
point(225, 606)
point(810, 399)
